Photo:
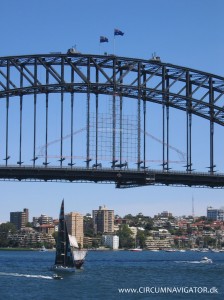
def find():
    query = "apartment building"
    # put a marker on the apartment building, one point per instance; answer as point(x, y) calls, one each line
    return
point(74, 222)
point(19, 218)
point(103, 220)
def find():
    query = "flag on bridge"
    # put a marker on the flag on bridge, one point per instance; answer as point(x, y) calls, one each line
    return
point(118, 32)
point(104, 39)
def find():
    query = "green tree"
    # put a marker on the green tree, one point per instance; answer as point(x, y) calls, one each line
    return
point(55, 235)
point(129, 216)
point(149, 224)
point(209, 241)
point(13, 244)
point(125, 237)
point(141, 237)
point(180, 232)
point(95, 244)
point(5, 229)
point(88, 226)
point(189, 230)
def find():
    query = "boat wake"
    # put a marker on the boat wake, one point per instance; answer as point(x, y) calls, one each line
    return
point(25, 275)
point(188, 261)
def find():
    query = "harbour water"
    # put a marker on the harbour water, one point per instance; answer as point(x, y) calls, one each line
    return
point(113, 275)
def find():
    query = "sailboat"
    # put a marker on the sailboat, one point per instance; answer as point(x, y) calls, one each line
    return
point(68, 255)
point(43, 249)
point(137, 248)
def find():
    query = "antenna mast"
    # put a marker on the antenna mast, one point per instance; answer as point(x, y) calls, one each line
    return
point(193, 206)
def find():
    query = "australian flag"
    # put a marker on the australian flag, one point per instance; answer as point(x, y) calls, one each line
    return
point(118, 32)
point(104, 39)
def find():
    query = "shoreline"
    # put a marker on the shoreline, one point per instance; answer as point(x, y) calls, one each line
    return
point(25, 249)
point(18, 249)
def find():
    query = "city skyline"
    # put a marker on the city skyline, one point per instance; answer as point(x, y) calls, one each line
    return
point(102, 207)
point(185, 43)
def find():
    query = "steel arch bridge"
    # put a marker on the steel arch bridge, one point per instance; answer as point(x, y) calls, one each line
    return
point(80, 106)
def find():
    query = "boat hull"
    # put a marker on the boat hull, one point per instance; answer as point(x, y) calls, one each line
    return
point(63, 269)
point(206, 260)
point(136, 250)
point(79, 263)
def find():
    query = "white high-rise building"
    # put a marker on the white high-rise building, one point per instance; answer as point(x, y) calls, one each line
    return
point(111, 241)
point(215, 214)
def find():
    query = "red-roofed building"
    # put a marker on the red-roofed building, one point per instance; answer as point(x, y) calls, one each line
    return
point(46, 228)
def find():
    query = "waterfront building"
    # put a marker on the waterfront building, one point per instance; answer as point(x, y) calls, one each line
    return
point(134, 231)
point(215, 214)
point(158, 244)
point(74, 222)
point(121, 221)
point(19, 218)
point(46, 228)
point(116, 227)
point(43, 219)
point(28, 237)
point(103, 220)
point(56, 223)
point(111, 241)
point(90, 242)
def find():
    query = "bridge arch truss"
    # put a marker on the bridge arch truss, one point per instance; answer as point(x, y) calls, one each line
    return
point(147, 81)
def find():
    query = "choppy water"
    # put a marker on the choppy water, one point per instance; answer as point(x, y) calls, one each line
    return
point(26, 275)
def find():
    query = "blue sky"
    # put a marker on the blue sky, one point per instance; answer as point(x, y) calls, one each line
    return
point(187, 33)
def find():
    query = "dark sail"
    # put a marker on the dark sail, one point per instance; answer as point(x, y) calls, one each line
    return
point(63, 250)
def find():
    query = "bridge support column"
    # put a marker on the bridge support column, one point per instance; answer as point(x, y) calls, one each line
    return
point(88, 116)
point(72, 121)
point(189, 122)
point(165, 103)
point(167, 136)
point(114, 114)
point(7, 116)
point(46, 121)
point(20, 121)
point(34, 114)
point(211, 101)
point(139, 116)
point(62, 112)
point(97, 107)
point(144, 121)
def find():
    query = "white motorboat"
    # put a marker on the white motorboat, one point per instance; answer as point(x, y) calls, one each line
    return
point(206, 260)
point(43, 249)
point(136, 249)
point(57, 277)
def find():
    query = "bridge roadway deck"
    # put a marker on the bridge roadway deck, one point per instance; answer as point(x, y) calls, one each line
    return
point(121, 177)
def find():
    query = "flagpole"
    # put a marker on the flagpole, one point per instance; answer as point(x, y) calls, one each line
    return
point(117, 32)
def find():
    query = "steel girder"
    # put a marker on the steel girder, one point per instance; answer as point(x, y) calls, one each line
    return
point(122, 178)
point(193, 91)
